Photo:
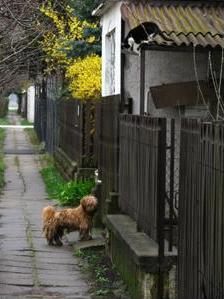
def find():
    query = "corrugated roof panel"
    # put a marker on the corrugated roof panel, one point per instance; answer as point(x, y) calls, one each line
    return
point(185, 23)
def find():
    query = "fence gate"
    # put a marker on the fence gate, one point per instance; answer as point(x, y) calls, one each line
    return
point(107, 125)
point(201, 211)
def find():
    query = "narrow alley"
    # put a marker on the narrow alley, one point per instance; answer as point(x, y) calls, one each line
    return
point(29, 268)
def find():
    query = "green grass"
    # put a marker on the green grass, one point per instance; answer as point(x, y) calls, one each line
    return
point(32, 136)
point(53, 180)
point(2, 165)
point(103, 275)
point(66, 193)
point(25, 122)
point(4, 121)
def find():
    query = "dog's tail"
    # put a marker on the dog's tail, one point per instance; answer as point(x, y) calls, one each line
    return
point(47, 213)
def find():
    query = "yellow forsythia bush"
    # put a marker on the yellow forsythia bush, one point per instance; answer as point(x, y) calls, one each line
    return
point(84, 77)
point(62, 31)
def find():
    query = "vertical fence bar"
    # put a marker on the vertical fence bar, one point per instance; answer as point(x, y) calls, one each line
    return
point(142, 82)
point(161, 190)
point(201, 241)
point(172, 156)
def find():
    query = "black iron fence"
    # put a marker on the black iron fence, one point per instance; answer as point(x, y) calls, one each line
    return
point(201, 211)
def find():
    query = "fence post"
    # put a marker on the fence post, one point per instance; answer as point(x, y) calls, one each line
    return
point(161, 190)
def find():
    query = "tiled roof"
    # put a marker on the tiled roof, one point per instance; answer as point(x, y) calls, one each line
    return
point(185, 23)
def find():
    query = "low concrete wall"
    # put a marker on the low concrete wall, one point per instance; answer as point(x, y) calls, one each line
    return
point(135, 256)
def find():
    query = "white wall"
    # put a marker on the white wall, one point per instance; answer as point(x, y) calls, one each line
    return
point(162, 67)
point(110, 21)
point(132, 80)
point(30, 103)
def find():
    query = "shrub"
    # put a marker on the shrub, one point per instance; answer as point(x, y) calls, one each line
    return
point(66, 193)
point(73, 191)
point(85, 78)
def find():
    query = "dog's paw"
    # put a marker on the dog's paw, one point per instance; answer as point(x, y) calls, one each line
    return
point(58, 243)
point(50, 243)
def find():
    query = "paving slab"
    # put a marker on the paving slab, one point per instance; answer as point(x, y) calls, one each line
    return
point(29, 268)
point(13, 269)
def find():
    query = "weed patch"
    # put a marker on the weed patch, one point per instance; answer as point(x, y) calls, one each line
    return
point(4, 121)
point(105, 280)
point(25, 122)
point(66, 193)
point(53, 180)
point(32, 136)
point(71, 192)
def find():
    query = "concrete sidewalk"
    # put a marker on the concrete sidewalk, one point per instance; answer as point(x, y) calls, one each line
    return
point(29, 268)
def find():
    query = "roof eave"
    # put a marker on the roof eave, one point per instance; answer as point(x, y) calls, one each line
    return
point(103, 8)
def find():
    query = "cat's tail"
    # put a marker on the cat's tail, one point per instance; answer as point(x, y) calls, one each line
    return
point(164, 37)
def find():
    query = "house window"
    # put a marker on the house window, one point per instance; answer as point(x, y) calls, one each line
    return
point(110, 62)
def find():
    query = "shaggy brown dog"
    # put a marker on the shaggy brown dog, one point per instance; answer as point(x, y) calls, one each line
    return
point(80, 218)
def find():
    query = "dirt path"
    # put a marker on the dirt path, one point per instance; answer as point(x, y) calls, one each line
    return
point(29, 268)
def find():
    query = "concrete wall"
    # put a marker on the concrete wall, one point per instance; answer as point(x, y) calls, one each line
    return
point(30, 103)
point(162, 67)
point(111, 22)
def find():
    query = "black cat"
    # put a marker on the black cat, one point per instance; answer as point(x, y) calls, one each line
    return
point(145, 32)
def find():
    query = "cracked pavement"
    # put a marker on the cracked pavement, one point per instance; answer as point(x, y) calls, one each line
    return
point(29, 268)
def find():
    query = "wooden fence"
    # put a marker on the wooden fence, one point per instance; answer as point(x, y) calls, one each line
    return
point(40, 120)
point(201, 211)
point(51, 142)
point(142, 171)
point(46, 115)
point(70, 129)
point(107, 140)
point(76, 121)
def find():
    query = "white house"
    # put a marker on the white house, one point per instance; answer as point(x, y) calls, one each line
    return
point(111, 46)
point(168, 79)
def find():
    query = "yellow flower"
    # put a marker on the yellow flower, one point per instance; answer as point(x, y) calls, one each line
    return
point(64, 29)
point(85, 78)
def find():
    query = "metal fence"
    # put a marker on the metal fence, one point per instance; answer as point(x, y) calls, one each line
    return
point(201, 211)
